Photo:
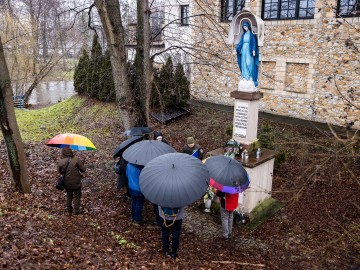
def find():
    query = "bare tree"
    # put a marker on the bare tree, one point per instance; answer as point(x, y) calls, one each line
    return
point(109, 12)
point(10, 130)
point(143, 65)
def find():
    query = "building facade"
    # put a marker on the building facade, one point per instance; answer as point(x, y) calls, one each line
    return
point(310, 61)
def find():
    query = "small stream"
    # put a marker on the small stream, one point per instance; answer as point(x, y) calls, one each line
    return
point(51, 92)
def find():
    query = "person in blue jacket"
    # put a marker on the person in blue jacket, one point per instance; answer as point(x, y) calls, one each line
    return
point(137, 198)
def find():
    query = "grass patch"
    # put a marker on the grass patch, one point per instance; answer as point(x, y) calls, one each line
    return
point(263, 211)
point(73, 115)
point(42, 124)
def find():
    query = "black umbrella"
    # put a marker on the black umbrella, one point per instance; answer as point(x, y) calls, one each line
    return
point(143, 152)
point(174, 180)
point(137, 131)
point(125, 144)
point(226, 171)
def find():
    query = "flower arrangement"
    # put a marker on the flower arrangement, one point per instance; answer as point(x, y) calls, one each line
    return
point(232, 148)
point(209, 195)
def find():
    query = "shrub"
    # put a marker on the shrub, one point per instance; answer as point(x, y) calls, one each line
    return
point(170, 88)
point(155, 98)
point(81, 74)
point(95, 65)
point(229, 129)
point(267, 139)
point(181, 86)
point(266, 136)
point(107, 88)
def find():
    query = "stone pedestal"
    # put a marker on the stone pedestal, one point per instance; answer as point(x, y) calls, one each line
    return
point(260, 170)
point(246, 111)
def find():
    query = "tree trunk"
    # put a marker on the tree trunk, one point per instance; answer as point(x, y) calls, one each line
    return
point(109, 12)
point(143, 65)
point(45, 51)
point(10, 130)
point(34, 35)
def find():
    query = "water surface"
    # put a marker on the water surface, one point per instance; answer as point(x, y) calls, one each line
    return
point(51, 92)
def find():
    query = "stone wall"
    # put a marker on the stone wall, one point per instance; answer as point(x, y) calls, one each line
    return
point(310, 69)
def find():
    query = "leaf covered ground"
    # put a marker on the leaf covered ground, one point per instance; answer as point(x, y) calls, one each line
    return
point(318, 183)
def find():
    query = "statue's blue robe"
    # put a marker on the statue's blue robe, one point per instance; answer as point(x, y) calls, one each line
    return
point(253, 67)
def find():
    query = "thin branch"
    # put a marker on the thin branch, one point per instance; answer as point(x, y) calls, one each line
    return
point(341, 94)
point(173, 21)
point(240, 263)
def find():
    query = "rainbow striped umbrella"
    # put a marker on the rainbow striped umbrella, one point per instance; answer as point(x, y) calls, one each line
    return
point(73, 141)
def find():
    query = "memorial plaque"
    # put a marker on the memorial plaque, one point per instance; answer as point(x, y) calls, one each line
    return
point(241, 119)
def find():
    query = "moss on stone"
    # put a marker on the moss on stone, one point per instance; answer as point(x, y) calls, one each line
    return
point(263, 211)
point(215, 208)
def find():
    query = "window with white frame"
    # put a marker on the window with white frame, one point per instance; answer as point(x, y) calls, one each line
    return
point(184, 14)
point(348, 8)
point(288, 9)
point(229, 8)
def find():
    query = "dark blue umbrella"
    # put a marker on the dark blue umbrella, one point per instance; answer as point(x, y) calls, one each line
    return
point(125, 144)
point(227, 171)
point(143, 152)
point(137, 131)
point(174, 180)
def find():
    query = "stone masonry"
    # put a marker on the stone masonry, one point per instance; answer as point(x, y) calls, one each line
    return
point(309, 69)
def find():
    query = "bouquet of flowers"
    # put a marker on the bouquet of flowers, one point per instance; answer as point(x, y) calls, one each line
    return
point(209, 195)
point(232, 148)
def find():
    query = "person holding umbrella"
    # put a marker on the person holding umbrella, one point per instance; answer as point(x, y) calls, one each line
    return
point(120, 165)
point(173, 181)
point(72, 167)
point(122, 181)
point(159, 136)
point(172, 223)
point(228, 203)
point(137, 198)
point(229, 178)
point(193, 149)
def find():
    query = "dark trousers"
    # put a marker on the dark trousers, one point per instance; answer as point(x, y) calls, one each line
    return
point(122, 181)
point(175, 233)
point(73, 195)
point(158, 219)
point(137, 204)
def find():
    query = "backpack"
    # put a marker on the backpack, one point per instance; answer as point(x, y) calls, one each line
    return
point(231, 201)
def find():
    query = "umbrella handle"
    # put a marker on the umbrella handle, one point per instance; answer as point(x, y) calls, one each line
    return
point(167, 226)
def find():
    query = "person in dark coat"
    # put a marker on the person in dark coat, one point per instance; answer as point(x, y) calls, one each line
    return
point(159, 136)
point(193, 149)
point(72, 179)
point(122, 180)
